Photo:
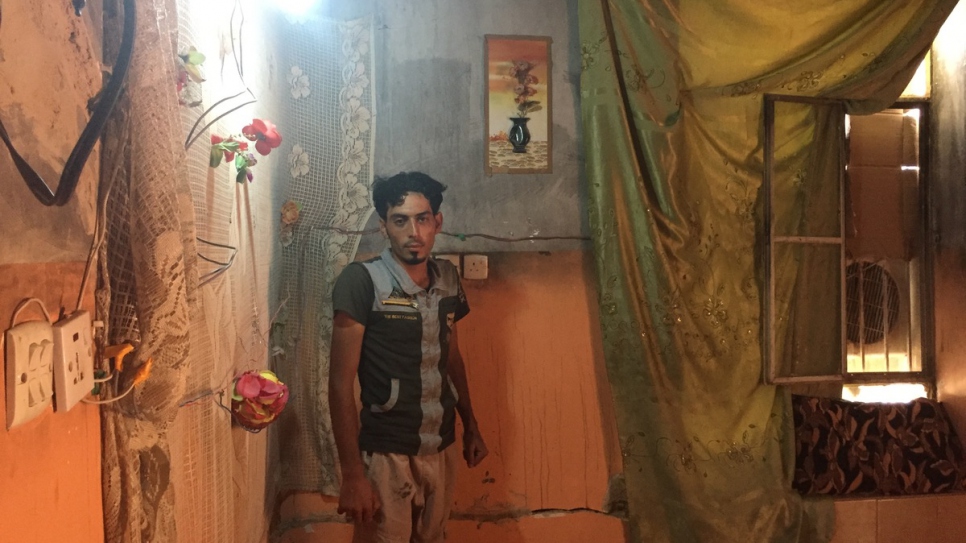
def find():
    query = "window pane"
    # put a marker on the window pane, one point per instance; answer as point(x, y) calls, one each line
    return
point(920, 84)
point(884, 237)
point(807, 170)
point(808, 312)
point(891, 393)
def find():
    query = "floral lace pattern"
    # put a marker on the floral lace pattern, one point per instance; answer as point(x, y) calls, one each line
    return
point(331, 171)
point(298, 161)
point(299, 83)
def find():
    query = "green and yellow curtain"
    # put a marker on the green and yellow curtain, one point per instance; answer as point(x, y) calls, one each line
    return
point(672, 99)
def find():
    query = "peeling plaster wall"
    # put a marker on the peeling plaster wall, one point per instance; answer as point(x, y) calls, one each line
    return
point(49, 69)
point(430, 79)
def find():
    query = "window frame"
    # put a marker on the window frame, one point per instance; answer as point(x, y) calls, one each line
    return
point(926, 311)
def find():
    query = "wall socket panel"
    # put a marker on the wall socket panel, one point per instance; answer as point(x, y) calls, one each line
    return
point(73, 360)
point(475, 267)
point(30, 360)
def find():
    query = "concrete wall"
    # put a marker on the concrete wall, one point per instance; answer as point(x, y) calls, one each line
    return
point(49, 68)
point(430, 78)
point(947, 178)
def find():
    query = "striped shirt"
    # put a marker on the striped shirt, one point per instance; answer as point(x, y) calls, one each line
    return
point(408, 400)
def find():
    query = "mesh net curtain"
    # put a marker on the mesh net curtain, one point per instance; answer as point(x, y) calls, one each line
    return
point(174, 467)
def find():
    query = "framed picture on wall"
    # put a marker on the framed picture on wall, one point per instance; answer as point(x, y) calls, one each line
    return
point(518, 104)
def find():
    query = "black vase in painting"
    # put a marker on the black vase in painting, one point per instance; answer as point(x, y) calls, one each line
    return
point(519, 135)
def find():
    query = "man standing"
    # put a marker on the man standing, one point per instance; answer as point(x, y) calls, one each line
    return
point(395, 326)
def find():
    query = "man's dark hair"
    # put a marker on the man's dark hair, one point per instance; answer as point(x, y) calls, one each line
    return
point(391, 191)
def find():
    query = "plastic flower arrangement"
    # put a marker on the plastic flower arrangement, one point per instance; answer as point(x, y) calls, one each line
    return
point(235, 148)
point(257, 399)
point(264, 134)
point(290, 215)
point(524, 87)
point(190, 74)
point(290, 212)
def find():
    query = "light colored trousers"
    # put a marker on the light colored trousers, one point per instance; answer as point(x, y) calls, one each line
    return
point(416, 494)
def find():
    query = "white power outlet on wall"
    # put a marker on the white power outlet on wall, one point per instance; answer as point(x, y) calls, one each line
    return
point(30, 355)
point(73, 360)
point(475, 267)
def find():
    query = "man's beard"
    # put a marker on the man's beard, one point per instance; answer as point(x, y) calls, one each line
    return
point(413, 260)
point(410, 257)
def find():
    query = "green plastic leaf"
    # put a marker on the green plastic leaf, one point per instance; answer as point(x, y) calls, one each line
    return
point(194, 72)
point(214, 160)
point(194, 57)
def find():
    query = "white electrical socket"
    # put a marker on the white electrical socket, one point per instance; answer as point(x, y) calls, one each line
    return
point(73, 360)
point(30, 360)
point(475, 266)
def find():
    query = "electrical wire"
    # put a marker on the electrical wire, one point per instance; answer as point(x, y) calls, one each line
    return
point(223, 266)
point(237, 54)
point(23, 304)
point(91, 133)
point(110, 400)
point(100, 226)
point(20, 307)
point(463, 237)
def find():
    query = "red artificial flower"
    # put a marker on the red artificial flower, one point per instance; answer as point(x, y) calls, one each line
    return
point(264, 134)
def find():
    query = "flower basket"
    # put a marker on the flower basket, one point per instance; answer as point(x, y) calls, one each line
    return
point(257, 399)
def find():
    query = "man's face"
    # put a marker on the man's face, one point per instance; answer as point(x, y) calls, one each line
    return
point(411, 228)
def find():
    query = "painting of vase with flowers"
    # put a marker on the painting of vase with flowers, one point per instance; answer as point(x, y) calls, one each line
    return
point(517, 104)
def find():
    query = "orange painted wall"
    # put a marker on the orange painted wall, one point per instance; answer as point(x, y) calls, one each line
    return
point(535, 368)
point(50, 488)
point(50, 467)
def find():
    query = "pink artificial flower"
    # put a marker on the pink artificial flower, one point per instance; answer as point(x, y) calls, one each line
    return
point(248, 386)
point(258, 398)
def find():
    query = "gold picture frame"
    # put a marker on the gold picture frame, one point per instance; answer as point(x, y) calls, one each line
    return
point(518, 104)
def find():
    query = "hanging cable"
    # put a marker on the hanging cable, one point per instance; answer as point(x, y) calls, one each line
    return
point(23, 304)
point(237, 53)
point(92, 132)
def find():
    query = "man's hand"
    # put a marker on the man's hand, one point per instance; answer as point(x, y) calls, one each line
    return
point(358, 501)
point(474, 450)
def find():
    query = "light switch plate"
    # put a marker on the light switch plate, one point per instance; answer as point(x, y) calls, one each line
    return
point(30, 360)
point(73, 360)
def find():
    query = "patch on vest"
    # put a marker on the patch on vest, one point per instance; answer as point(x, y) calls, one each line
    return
point(398, 297)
